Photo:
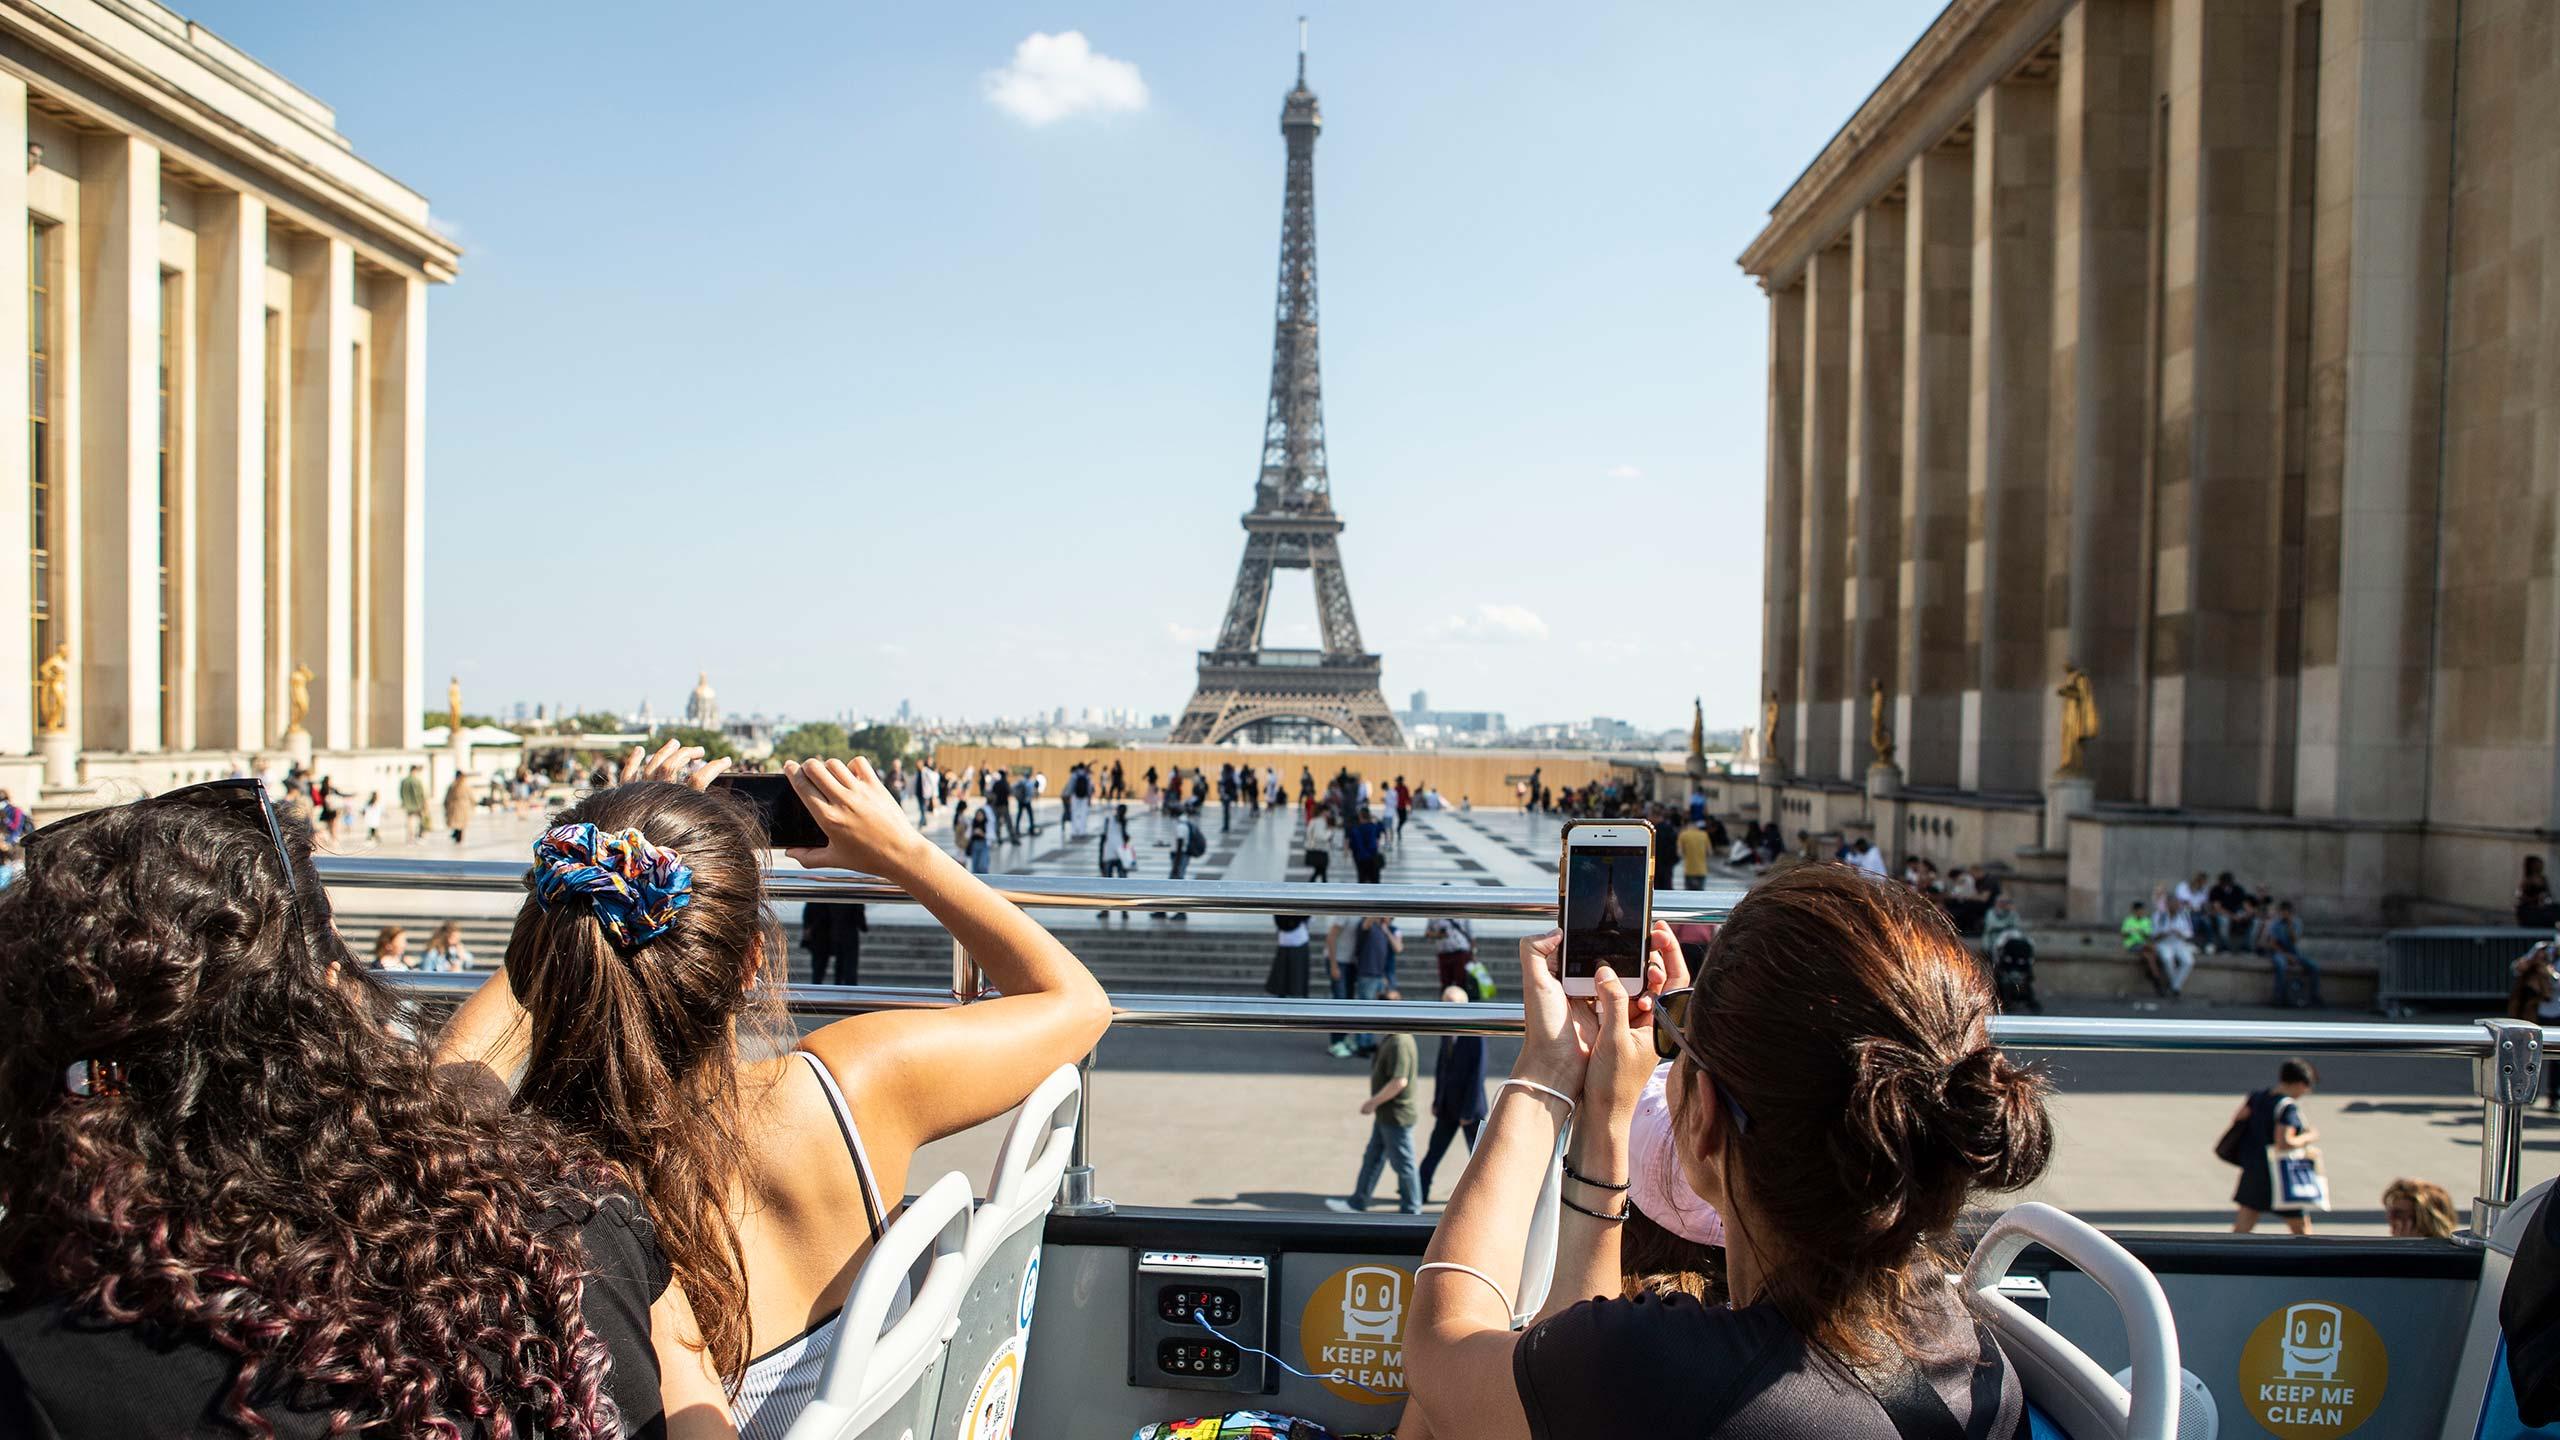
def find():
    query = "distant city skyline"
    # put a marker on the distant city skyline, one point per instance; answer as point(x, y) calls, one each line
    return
point(922, 357)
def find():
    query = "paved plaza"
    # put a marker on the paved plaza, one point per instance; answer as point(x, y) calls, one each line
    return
point(1270, 1121)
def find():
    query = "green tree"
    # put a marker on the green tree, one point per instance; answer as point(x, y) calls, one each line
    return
point(445, 717)
point(817, 740)
point(880, 744)
point(591, 722)
point(715, 746)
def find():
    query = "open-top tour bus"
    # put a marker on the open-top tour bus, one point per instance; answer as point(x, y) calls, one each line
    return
point(1045, 1312)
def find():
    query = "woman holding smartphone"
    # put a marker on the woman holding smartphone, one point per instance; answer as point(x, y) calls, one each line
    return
point(641, 999)
point(1836, 1097)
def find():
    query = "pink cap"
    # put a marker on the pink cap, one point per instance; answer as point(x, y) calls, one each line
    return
point(1659, 1189)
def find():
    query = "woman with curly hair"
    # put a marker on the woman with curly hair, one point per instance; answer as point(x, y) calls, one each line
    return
point(231, 1205)
point(640, 1000)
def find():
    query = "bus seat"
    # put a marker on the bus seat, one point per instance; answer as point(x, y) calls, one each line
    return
point(879, 1382)
point(2483, 1400)
point(1001, 1273)
point(2077, 1399)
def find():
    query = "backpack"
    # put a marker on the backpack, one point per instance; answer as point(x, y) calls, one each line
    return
point(1481, 978)
point(1196, 844)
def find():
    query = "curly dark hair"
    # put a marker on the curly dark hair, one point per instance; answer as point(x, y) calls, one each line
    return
point(277, 1175)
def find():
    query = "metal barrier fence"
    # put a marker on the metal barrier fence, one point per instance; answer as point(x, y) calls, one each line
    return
point(2506, 1055)
point(2450, 962)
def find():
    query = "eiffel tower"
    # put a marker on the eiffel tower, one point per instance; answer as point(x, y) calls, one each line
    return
point(1292, 525)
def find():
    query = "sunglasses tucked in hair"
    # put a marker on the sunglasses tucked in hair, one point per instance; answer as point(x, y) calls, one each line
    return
point(242, 801)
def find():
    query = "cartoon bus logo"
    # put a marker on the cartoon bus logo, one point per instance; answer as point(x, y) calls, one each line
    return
point(1372, 1304)
point(2313, 1340)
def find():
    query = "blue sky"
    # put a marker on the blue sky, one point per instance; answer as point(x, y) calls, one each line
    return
point(782, 350)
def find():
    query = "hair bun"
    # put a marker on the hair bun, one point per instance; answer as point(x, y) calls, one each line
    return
point(1996, 1118)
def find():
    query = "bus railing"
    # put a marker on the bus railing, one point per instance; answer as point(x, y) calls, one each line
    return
point(2506, 1055)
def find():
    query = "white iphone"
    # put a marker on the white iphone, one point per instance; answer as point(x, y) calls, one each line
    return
point(1604, 887)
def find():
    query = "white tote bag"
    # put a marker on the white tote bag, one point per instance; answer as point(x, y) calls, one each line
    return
point(2296, 1179)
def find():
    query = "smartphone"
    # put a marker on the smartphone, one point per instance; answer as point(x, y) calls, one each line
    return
point(788, 825)
point(1604, 886)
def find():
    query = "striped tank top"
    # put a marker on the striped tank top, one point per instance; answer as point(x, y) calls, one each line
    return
point(781, 1382)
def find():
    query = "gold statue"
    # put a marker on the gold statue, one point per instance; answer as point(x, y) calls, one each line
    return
point(298, 697)
point(1769, 729)
point(1697, 762)
point(2079, 719)
point(453, 710)
point(53, 691)
point(1879, 735)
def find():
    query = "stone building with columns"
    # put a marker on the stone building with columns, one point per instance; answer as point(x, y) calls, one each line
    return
point(2213, 347)
point(223, 393)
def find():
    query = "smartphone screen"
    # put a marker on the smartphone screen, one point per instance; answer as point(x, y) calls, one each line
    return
point(1606, 890)
point(788, 825)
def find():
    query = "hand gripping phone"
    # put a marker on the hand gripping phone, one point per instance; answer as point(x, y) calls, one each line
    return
point(788, 825)
point(1604, 889)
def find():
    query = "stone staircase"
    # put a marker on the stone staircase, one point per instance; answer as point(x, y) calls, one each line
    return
point(1136, 956)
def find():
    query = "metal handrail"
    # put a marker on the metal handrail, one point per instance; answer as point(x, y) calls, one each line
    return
point(1065, 892)
point(2506, 1055)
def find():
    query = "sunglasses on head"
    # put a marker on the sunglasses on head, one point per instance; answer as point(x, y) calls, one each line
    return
point(243, 801)
point(1671, 1040)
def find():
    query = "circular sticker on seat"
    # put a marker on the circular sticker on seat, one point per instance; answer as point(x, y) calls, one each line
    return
point(1030, 1295)
point(993, 1400)
point(1352, 1331)
point(2313, 1371)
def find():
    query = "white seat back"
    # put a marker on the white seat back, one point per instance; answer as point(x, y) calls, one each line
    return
point(991, 1334)
point(878, 1382)
point(2083, 1400)
point(2480, 1372)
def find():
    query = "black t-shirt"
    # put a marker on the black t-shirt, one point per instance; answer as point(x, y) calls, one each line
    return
point(64, 1378)
point(1606, 1369)
point(2230, 899)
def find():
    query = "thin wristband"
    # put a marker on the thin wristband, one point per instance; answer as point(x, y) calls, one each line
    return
point(1578, 1177)
point(1600, 1215)
point(1495, 1285)
point(1548, 1090)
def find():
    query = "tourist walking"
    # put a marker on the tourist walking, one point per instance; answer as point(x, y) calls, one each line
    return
point(373, 816)
point(1188, 843)
point(413, 803)
point(1457, 1094)
point(981, 841)
point(1119, 782)
point(457, 805)
point(1341, 962)
point(1365, 837)
point(1000, 800)
point(1394, 1112)
point(1696, 846)
point(1119, 857)
point(1226, 795)
point(1027, 796)
point(1457, 937)
point(1155, 792)
point(2273, 1118)
point(1374, 948)
point(1288, 977)
point(2535, 997)
point(831, 931)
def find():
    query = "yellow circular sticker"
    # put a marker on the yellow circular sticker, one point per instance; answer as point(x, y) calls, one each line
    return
point(991, 1401)
point(2313, 1371)
point(1353, 1331)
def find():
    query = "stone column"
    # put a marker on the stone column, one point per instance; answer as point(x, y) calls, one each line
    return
point(2101, 294)
point(322, 328)
point(2212, 617)
point(2006, 455)
point(399, 509)
point(231, 451)
point(1822, 653)
point(17, 656)
point(118, 648)
point(1779, 617)
point(1938, 356)
point(2376, 313)
point(1875, 465)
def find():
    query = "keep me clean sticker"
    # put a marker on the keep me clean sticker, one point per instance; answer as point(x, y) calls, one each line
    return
point(2313, 1371)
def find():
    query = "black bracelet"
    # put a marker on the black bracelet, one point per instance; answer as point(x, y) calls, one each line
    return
point(1618, 1219)
point(1572, 1174)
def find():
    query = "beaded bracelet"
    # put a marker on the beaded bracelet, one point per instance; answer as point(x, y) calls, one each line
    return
point(1575, 1175)
point(1602, 1216)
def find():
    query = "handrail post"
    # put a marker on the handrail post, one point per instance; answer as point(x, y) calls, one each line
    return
point(967, 982)
point(2506, 1080)
point(1075, 1192)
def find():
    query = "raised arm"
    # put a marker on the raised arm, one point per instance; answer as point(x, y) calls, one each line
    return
point(922, 1075)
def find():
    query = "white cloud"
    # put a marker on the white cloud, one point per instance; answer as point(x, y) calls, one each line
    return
point(1625, 472)
point(1185, 635)
point(1491, 624)
point(892, 649)
point(1055, 76)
